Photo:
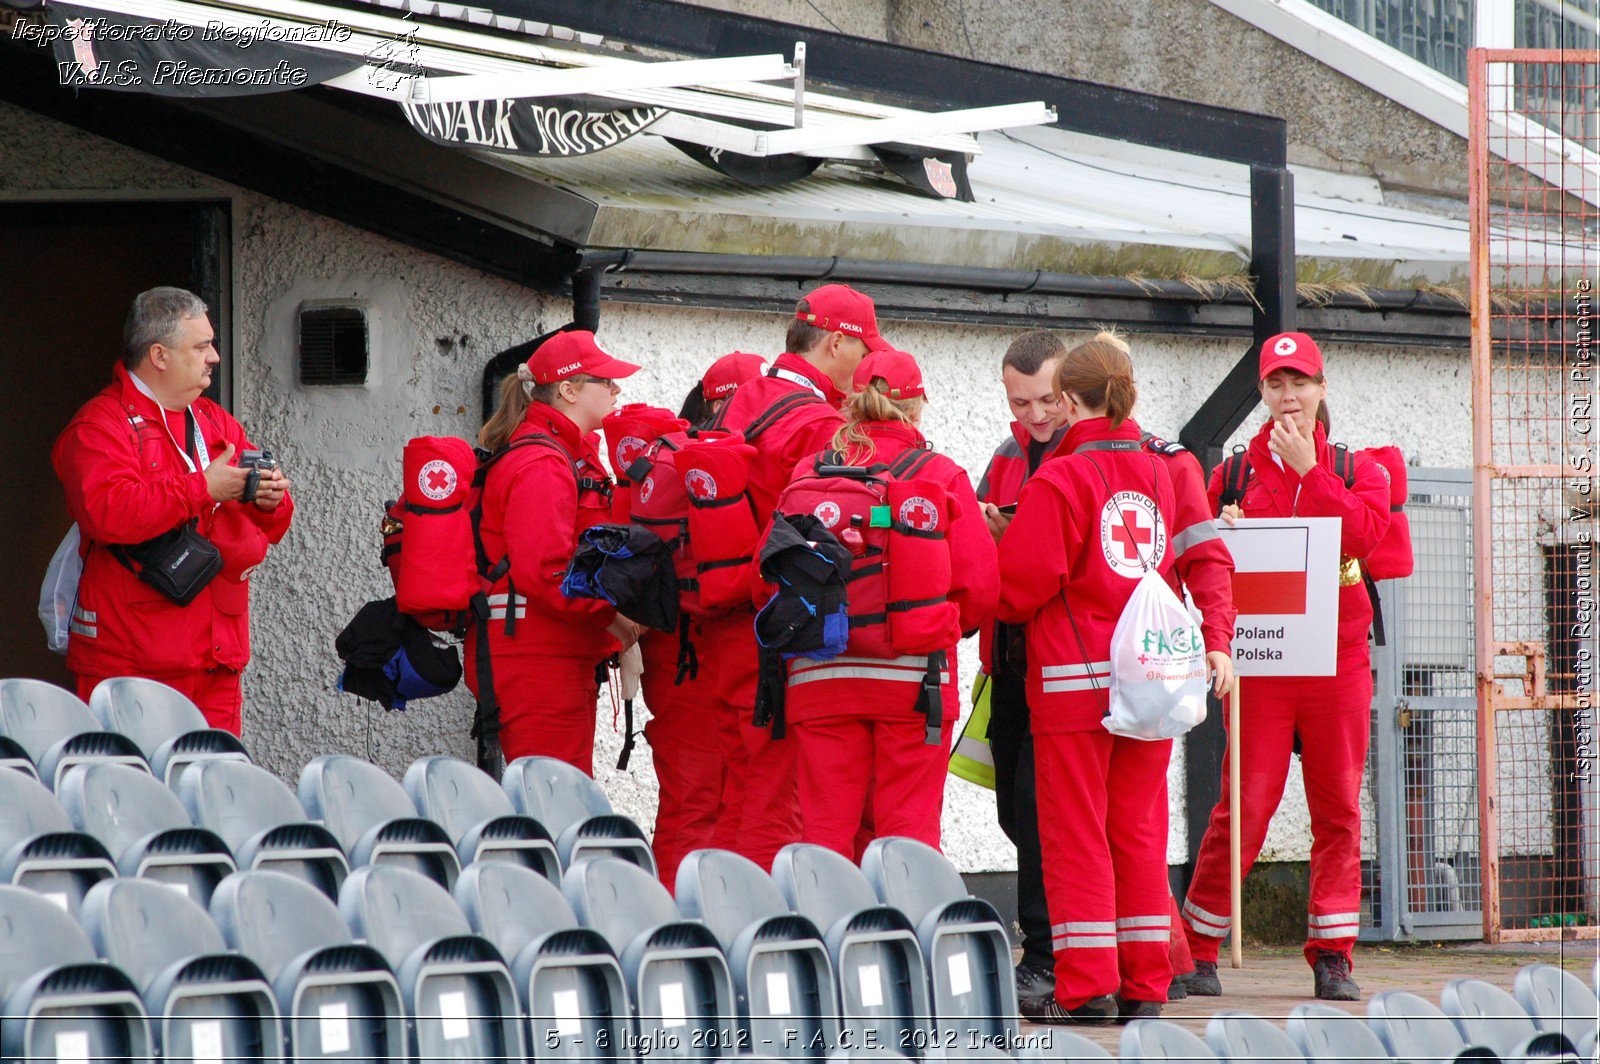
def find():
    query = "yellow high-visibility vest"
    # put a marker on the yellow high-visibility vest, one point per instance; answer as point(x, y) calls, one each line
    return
point(970, 758)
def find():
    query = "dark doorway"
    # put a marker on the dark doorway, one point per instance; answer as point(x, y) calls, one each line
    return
point(71, 272)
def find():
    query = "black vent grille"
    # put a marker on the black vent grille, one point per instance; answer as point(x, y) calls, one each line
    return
point(333, 345)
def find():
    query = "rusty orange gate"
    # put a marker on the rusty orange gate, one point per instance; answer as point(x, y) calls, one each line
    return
point(1535, 183)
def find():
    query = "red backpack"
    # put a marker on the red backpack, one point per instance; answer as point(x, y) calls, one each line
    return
point(894, 525)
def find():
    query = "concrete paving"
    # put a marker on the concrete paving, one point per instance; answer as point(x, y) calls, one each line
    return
point(1276, 979)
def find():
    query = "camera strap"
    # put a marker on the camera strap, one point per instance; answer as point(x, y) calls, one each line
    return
point(193, 449)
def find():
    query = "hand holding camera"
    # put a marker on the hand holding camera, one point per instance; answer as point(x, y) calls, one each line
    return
point(264, 483)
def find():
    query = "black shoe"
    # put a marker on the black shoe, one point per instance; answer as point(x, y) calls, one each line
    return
point(1128, 1011)
point(1332, 974)
point(1097, 1011)
point(1034, 981)
point(1177, 990)
point(1203, 981)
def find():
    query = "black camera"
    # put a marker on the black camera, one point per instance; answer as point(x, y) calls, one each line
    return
point(257, 462)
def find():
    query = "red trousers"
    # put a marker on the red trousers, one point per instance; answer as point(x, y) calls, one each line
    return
point(215, 691)
point(547, 706)
point(869, 778)
point(1333, 717)
point(1103, 834)
point(695, 745)
point(763, 782)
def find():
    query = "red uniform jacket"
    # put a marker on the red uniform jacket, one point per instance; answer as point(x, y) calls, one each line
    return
point(1363, 512)
point(1075, 541)
point(1002, 486)
point(799, 434)
point(127, 481)
point(533, 511)
point(881, 688)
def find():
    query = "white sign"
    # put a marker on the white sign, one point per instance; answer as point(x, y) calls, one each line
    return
point(1286, 588)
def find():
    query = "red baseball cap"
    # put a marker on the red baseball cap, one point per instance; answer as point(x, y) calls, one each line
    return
point(902, 377)
point(567, 354)
point(840, 308)
point(730, 371)
point(1295, 351)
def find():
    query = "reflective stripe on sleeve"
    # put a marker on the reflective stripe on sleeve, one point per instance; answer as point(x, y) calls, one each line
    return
point(1193, 536)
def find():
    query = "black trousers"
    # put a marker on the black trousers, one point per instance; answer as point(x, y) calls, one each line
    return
point(1011, 745)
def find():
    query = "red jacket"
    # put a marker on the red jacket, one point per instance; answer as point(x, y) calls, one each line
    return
point(1002, 485)
point(1363, 511)
point(533, 511)
point(1083, 520)
point(798, 435)
point(127, 480)
point(880, 688)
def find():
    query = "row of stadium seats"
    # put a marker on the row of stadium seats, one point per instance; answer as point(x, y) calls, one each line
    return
point(216, 916)
point(1553, 1015)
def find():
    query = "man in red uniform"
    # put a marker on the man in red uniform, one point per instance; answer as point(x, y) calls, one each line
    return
point(146, 456)
point(1027, 371)
point(793, 412)
point(1293, 473)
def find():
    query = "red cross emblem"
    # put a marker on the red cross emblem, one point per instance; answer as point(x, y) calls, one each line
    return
point(1131, 534)
point(629, 448)
point(437, 480)
point(828, 513)
point(700, 484)
point(919, 513)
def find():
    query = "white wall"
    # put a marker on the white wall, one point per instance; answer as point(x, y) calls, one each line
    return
point(435, 323)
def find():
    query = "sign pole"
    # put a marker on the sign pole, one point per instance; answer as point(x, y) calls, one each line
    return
point(1235, 878)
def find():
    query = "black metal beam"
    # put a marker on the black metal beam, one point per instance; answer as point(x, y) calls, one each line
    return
point(897, 71)
point(223, 150)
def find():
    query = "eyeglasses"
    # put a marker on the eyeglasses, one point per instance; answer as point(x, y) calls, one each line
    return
point(586, 379)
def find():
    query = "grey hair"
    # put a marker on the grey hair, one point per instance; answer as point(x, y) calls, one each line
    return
point(154, 319)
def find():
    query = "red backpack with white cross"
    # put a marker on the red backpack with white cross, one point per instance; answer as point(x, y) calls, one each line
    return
point(894, 526)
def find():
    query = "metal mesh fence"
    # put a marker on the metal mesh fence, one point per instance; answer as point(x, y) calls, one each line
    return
point(1534, 270)
point(1420, 826)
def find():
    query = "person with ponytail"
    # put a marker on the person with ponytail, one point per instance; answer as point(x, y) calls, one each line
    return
point(1088, 525)
point(1291, 470)
point(545, 484)
point(871, 753)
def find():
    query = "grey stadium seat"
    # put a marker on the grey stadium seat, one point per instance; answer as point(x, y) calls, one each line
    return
point(57, 1001)
point(39, 848)
point(1411, 1028)
point(1326, 1035)
point(57, 731)
point(575, 811)
point(1248, 1039)
point(167, 727)
point(1557, 1001)
point(339, 999)
point(13, 756)
point(372, 817)
point(205, 1004)
point(145, 828)
point(782, 977)
point(478, 816)
point(677, 977)
point(968, 952)
point(262, 822)
point(453, 982)
point(568, 978)
point(1486, 1015)
point(877, 958)
point(1162, 1040)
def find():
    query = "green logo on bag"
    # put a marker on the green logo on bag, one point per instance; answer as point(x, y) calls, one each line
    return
point(1184, 640)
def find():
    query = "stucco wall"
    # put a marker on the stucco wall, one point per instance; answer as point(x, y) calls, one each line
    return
point(434, 325)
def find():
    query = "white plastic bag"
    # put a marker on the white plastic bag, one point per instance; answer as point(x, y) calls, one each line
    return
point(1158, 666)
point(58, 595)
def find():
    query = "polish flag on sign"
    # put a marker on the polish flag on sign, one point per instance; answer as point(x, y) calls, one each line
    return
point(1270, 577)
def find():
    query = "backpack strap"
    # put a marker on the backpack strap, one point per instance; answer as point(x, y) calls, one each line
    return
point(1235, 477)
point(775, 413)
point(911, 462)
point(1344, 465)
